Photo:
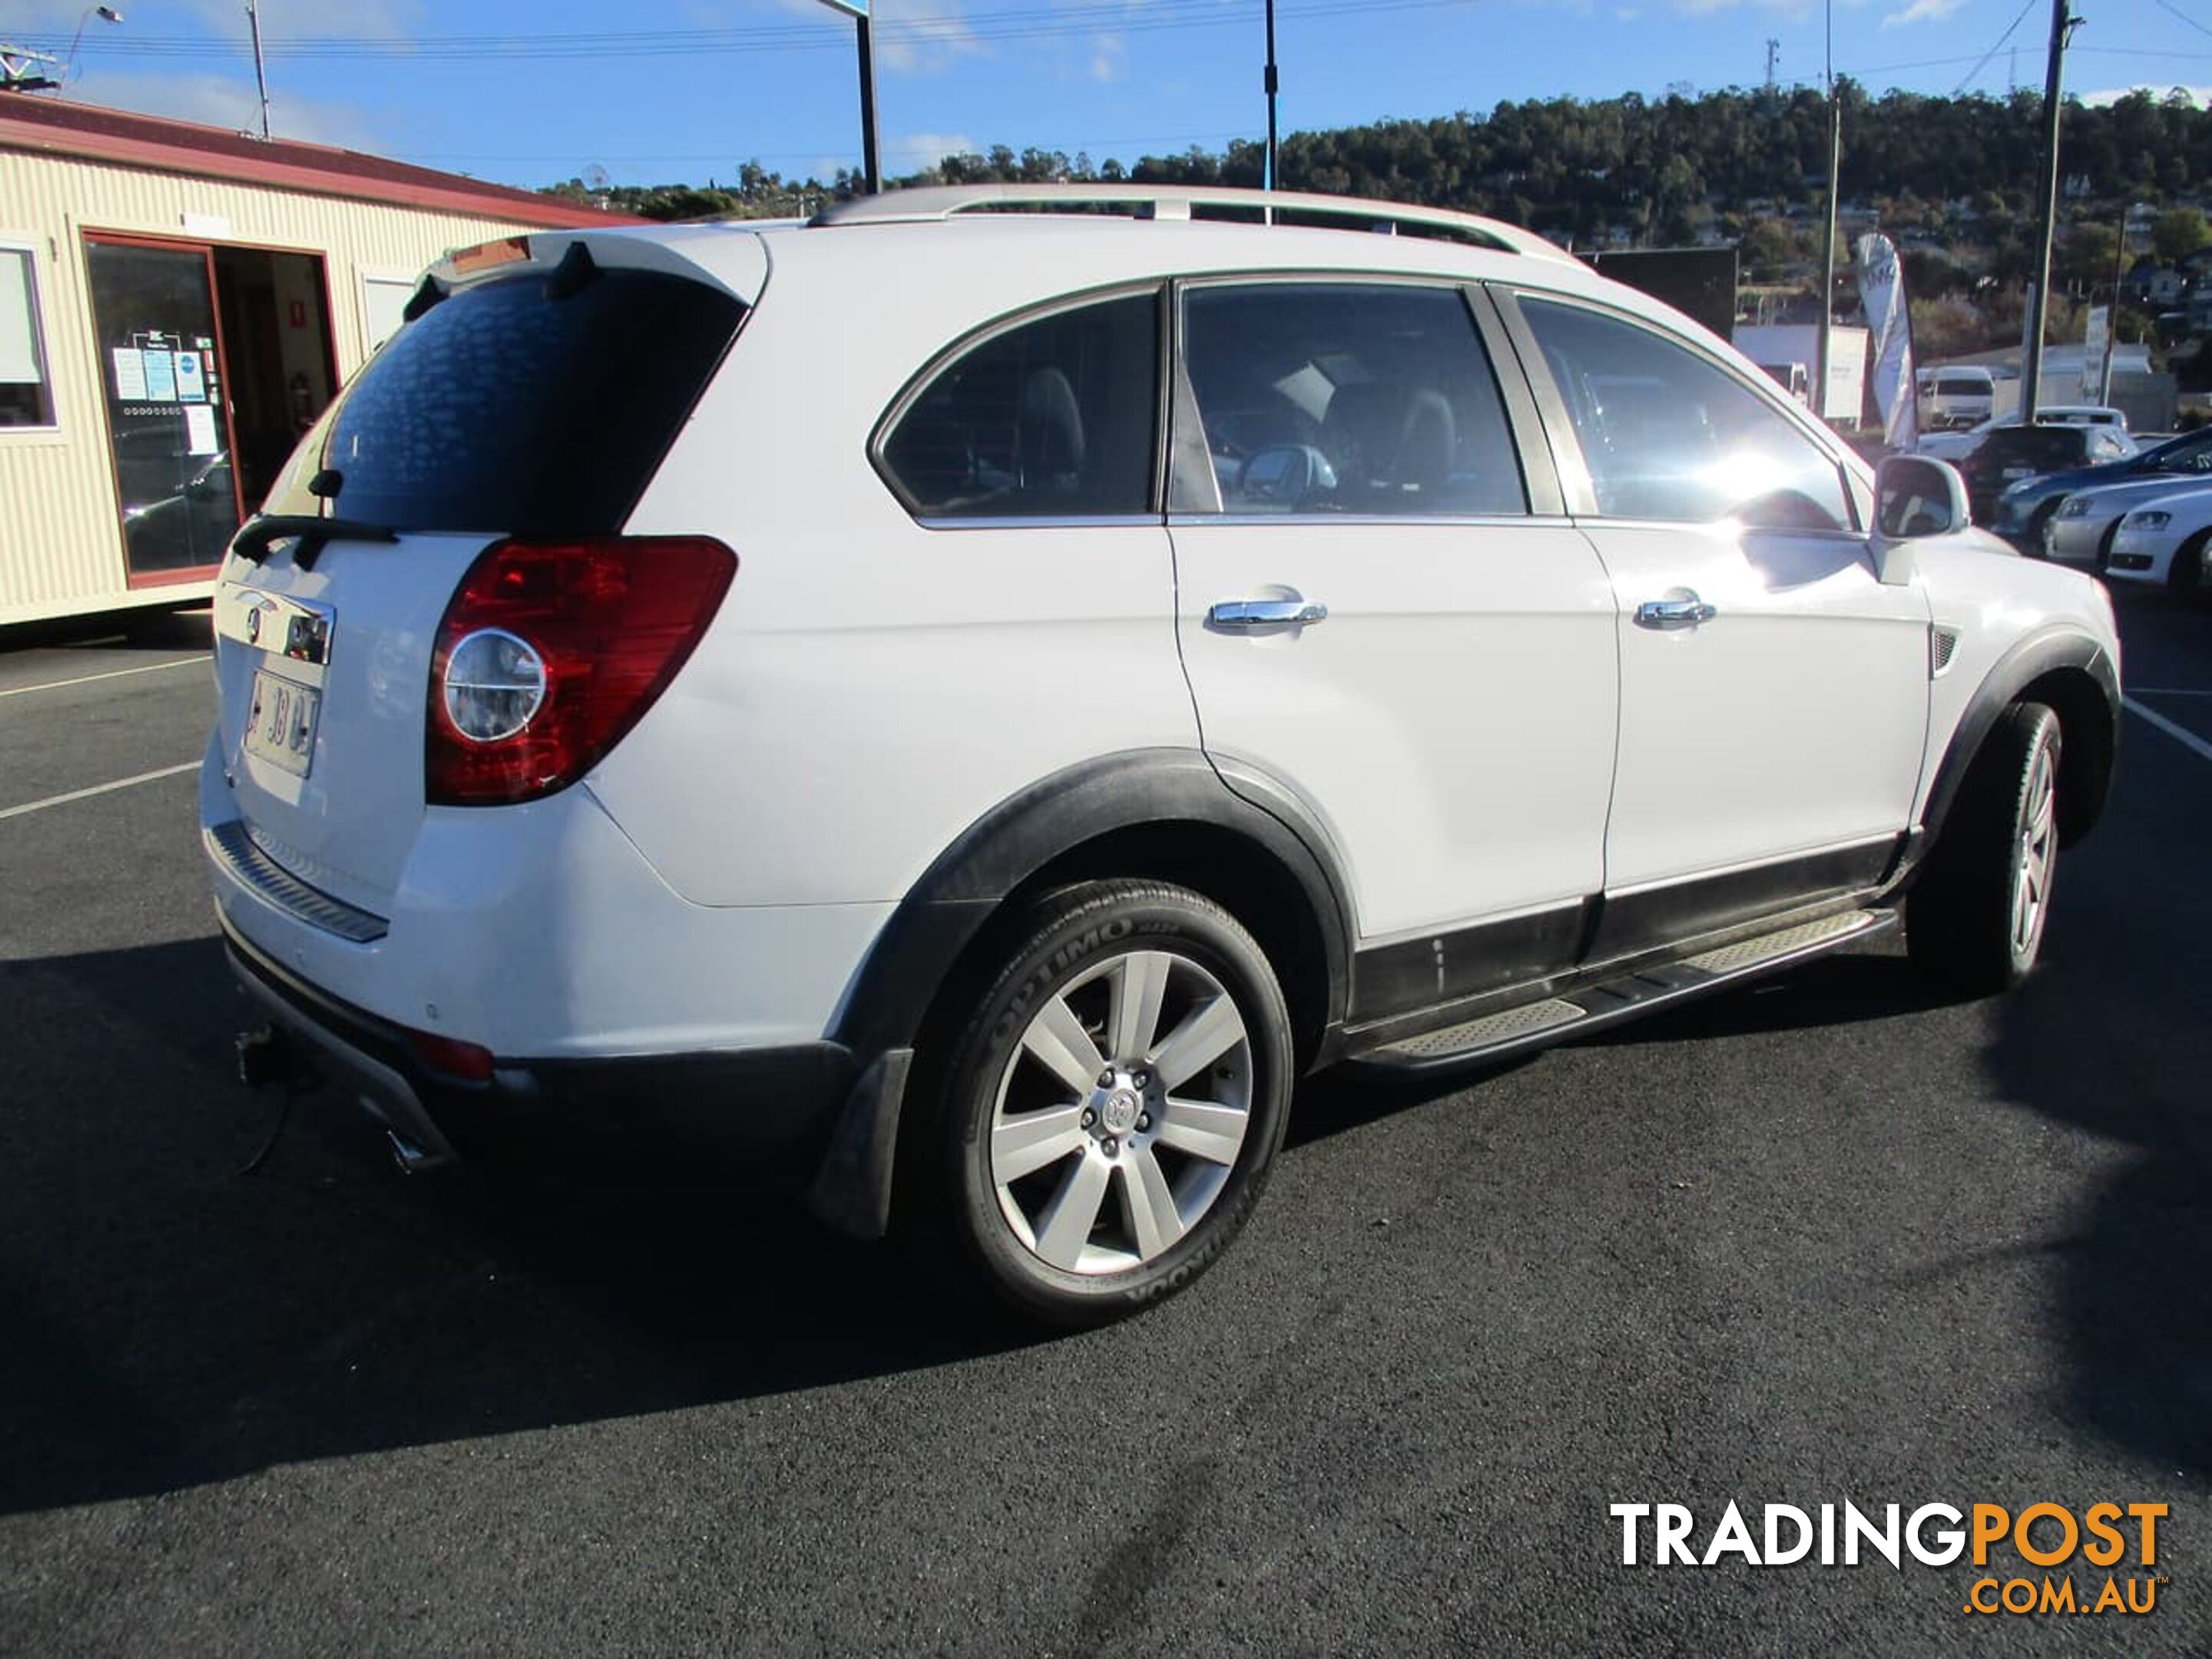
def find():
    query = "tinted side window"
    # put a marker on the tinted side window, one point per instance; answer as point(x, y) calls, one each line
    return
point(1053, 418)
point(1346, 397)
point(1668, 435)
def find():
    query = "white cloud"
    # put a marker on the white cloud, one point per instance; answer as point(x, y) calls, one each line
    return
point(917, 152)
point(2199, 96)
point(1110, 58)
point(925, 37)
point(366, 20)
point(216, 100)
point(1922, 11)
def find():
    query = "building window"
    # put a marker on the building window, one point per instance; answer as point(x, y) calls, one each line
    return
point(384, 304)
point(27, 392)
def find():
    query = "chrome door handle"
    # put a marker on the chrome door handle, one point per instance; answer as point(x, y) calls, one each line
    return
point(1681, 608)
point(1262, 613)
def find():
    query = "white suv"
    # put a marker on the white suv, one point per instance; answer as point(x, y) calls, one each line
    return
point(978, 703)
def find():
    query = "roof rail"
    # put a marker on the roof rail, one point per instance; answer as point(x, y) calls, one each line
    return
point(942, 202)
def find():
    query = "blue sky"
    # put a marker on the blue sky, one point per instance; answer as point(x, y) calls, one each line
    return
point(531, 92)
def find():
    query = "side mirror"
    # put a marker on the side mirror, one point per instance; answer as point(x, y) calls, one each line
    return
point(1914, 496)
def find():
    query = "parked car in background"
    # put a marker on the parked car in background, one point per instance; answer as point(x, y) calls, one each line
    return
point(2023, 510)
point(1164, 657)
point(2163, 542)
point(2081, 532)
point(1955, 397)
point(2011, 454)
point(1957, 445)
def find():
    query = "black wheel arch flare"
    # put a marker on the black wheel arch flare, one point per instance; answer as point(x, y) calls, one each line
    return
point(1159, 794)
point(2074, 673)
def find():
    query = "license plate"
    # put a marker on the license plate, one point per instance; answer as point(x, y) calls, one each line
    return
point(2018, 471)
point(280, 728)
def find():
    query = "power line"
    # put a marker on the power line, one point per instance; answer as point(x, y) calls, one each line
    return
point(1983, 62)
point(974, 28)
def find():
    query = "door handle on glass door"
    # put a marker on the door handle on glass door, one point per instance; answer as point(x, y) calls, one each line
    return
point(1681, 608)
point(1244, 614)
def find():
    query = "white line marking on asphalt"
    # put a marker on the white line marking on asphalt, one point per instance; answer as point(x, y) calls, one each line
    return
point(121, 783)
point(112, 674)
point(2171, 691)
point(2180, 734)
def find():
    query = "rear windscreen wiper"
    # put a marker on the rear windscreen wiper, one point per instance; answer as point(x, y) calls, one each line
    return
point(252, 542)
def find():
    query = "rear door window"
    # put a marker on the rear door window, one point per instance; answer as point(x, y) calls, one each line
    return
point(532, 405)
point(1350, 398)
point(1057, 416)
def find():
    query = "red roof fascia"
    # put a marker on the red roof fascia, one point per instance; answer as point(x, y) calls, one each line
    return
point(53, 127)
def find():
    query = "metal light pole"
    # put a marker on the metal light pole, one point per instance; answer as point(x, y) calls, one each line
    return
point(260, 77)
point(1273, 84)
point(2063, 25)
point(1828, 237)
point(106, 14)
point(871, 169)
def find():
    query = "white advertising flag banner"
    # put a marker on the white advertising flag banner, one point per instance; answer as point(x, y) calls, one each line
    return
point(1889, 345)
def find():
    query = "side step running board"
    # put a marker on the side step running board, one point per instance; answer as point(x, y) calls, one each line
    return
point(1590, 1007)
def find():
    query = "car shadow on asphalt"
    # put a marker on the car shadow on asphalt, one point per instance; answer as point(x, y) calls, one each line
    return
point(174, 1320)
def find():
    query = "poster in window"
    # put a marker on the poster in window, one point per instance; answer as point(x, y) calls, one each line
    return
point(191, 387)
point(130, 374)
point(161, 375)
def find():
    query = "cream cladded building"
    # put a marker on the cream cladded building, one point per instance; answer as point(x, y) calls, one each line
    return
point(177, 304)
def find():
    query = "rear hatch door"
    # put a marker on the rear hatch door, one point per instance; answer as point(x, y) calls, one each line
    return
point(530, 395)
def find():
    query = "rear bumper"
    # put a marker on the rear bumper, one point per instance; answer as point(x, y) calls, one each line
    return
point(775, 1106)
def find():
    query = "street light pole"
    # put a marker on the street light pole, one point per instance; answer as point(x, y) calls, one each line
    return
point(871, 171)
point(2062, 24)
point(1828, 237)
point(871, 167)
point(1273, 84)
point(260, 77)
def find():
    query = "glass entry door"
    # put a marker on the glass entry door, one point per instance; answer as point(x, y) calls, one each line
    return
point(161, 363)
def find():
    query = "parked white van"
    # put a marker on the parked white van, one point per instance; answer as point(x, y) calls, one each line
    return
point(1951, 396)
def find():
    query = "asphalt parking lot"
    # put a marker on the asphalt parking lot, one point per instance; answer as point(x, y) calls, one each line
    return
point(1820, 1240)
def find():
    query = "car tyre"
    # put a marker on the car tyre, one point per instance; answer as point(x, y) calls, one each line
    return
point(1974, 921)
point(2185, 577)
point(1111, 1110)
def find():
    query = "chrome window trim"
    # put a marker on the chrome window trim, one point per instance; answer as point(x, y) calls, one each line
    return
point(1017, 521)
point(1377, 520)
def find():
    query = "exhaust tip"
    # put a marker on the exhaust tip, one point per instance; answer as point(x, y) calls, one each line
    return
point(409, 1159)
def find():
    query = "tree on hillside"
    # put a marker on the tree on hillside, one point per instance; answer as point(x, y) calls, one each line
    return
point(2178, 232)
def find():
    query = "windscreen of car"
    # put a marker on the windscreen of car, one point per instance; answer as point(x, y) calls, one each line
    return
point(1961, 386)
point(533, 405)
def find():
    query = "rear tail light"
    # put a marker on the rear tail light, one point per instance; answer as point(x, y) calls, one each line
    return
point(550, 652)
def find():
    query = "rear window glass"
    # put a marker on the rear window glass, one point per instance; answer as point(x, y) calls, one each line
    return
point(528, 405)
point(2045, 447)
point(1962, 386)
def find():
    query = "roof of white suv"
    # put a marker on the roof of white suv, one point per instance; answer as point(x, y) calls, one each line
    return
point(974, 238)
